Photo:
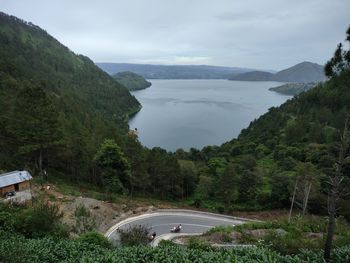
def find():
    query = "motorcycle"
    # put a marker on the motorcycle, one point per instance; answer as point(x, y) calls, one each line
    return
point(176, 229)
point(152, 237)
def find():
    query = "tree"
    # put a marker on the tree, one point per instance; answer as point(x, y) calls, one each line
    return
point(115, 168)
point(139, 178)
point(34, 123)
point(189, 175)
point(280, 192)
point(217, 166)
point(250, 184)
point(203, 189)
point(336, 191)
point(340, 60)
point(306, 179)
point(229, 185)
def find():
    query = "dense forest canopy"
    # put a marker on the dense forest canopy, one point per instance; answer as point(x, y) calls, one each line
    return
point(54, 103)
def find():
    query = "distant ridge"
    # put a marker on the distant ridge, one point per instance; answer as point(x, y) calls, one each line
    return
point(303, 72)
point(254, 75)
point(173, 71)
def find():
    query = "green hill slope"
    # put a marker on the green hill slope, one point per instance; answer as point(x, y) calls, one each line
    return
point(293, 88)
point(87, 104)
point(131, 80)
point(299, 137)
point(294, 146)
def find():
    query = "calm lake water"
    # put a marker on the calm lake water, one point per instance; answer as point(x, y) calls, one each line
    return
point(195, 113)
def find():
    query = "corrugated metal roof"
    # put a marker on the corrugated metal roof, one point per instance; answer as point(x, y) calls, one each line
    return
point(14, 177)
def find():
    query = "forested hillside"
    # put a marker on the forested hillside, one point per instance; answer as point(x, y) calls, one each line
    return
point(131, 80)
point(294, 146)
point(293, 88)
point(62, 116)
point(54, 103)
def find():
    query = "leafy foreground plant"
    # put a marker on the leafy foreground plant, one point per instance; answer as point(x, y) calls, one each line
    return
point(20, 250)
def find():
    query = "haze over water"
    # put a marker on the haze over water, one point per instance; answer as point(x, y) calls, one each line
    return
point(196, 113)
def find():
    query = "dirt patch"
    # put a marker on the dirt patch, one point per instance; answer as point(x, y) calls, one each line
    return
point(263, 215)
point(106, 214)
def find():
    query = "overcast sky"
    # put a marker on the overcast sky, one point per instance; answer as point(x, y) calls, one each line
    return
point(263, 34)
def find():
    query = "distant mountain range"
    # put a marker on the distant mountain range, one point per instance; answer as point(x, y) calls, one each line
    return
point(301, 73)
point(174, 71)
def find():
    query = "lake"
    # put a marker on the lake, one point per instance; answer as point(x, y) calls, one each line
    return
point(195, 113)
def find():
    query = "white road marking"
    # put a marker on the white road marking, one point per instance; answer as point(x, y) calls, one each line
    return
point(173, 213)
point(171, 224)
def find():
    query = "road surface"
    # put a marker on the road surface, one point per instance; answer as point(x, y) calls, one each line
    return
point(161, 222)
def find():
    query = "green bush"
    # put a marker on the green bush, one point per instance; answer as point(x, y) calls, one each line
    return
point(135, 235)
point(95, 238)
point(196, 243)
point(166, 243)
point(40, 220)
point(221, 229)
point(85, 221)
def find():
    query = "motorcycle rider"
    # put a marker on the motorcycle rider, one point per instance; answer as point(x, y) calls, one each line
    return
point(177, 228)
point(151, 237)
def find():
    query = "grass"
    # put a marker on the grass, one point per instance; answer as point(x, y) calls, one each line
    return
point(297, 236)
point(221, 229)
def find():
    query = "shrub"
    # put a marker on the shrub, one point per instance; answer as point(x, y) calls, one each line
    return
point(134, 235)
point(166, 243)
point(40, 220)
point(85, 221)
point(197, 243)
point(95, 238)
point(221, 229)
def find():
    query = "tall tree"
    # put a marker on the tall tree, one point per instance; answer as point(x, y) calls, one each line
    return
point(229, 185)
point(340, 60)
point(34, 123)
point(114, 167)
point(336, 191)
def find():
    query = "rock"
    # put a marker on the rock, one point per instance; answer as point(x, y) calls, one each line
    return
point(151, 208)
point(139, 210)
point(96, 207)
point(257, 233)
point(313, 235)
point(236, 236)
point(280, 232)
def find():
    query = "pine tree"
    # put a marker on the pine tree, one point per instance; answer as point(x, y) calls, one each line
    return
point(114, 167)
point(34, 124)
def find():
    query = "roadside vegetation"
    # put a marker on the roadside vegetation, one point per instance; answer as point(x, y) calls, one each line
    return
point(20, 250)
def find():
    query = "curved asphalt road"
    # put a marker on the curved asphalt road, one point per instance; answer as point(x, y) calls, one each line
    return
point(161, 222)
